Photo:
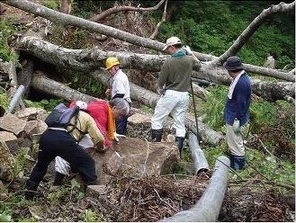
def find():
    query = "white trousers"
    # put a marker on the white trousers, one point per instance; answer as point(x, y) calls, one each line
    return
point(62, 166)
point(175, 103)
point(235, 141)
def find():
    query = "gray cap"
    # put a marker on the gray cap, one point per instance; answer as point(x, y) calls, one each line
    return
point(233, 63)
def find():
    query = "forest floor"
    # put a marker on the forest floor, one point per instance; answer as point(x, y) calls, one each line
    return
point(145, 199)
point(130, 199)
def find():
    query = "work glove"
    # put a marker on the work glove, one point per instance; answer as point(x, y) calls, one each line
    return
point(188, 50)
point(100, 147)
point(116, 136)
point(236, 126)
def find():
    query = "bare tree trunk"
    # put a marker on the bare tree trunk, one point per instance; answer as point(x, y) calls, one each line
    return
point(253, 26)
point(63, 19)
point(42, 83)
point(25, 75)
point(91, 59)
point(149, 98)
point(208, 207)
point(9, 69)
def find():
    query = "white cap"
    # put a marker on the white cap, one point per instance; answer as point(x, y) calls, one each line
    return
point(81, 105)
point(172, 41)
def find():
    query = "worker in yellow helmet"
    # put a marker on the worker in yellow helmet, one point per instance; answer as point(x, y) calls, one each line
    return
point(120, 88)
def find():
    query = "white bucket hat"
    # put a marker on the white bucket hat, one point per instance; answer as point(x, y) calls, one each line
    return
point(171, 41)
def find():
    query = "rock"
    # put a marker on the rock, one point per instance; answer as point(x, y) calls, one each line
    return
point(32, 114)
point(12, 124)
point(10, 140)
point(136, 158)
point(7, 163)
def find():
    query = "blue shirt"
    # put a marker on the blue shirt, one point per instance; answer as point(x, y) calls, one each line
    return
point(238, 106)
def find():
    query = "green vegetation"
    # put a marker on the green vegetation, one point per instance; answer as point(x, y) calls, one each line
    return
point(270, 143)
point(6, 31)
point(75, 38)
point(52, 4)
point(212, 26)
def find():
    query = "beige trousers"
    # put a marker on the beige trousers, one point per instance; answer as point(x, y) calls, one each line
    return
point(235, 141)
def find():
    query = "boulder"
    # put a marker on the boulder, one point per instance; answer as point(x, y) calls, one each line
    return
point(135, 158)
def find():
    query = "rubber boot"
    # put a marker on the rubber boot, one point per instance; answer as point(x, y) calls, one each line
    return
point(31, 186)
point(85, 184)
point(156, 135)
point(58, 179)
point(180, 143)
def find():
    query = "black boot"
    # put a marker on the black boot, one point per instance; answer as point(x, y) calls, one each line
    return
point(58, 179)
point(31, 187)
point(156, 135)
point(180, 143)
point(85, 184)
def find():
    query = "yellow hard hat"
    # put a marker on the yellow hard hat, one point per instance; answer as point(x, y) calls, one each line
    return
point(111, 61)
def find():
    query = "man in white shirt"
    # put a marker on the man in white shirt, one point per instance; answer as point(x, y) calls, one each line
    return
point(120, 88)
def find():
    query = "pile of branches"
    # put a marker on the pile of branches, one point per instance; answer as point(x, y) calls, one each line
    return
point(125, 199)
point(254, 204)
point(154, 198)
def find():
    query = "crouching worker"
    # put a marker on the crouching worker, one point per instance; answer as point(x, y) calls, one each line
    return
point(63, 142)
point(63, 168)
point(104, 113)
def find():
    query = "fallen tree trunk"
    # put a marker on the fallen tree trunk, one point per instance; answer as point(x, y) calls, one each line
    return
point(64, 19)
point(208, 207)
point(91, 59)
point(42, 83)
point(199, 160)
point(149, 98)
point(11, 82)
point(269, 90)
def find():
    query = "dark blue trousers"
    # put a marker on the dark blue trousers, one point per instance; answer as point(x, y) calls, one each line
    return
point(121, 124)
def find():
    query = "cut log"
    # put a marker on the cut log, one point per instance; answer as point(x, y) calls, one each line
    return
point(198, 156)
point(25, 75)
point(208, 207)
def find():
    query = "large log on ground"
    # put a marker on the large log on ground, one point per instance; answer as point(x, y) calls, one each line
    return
point(41, 83)
point(208, 207)
point(92, 59)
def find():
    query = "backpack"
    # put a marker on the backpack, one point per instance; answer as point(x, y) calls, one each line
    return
point(61, 116)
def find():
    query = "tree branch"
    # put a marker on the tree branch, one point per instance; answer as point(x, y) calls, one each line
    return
point(252, 28)
point(117, 9)
point(163, 18)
